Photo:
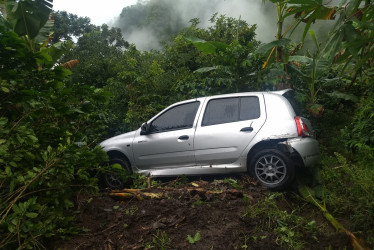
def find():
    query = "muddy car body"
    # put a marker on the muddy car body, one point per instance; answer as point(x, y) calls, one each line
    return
point(255, 132)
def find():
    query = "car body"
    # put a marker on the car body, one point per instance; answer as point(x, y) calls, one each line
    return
point(255, 132)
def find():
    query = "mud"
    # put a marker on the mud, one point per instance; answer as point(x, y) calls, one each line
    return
point(166, 222)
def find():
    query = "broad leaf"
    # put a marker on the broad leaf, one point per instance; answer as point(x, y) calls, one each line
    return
point(300, 59)
point(206, 47)
point(343, 96)
point(206, 69)
point(277, 43)
point(45, 33)
point(193, 240)
point(314, 37)
point(28, 16)
point(333, 45)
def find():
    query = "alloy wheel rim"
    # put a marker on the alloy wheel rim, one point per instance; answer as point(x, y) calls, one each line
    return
point(113, 180)
point(270, 169)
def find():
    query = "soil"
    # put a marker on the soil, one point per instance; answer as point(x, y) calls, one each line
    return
point(179, 210)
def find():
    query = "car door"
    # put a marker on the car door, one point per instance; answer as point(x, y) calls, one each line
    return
point(226, 127)
point(169, 142)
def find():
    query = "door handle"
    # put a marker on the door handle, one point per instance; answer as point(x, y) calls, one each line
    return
point(183, 137)
point(246, 129)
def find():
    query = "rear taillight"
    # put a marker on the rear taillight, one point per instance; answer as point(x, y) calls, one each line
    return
point(302, 128)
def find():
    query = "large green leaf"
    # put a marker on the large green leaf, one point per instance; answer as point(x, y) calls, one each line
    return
point(207, 47)
point(343, 96)
point(205, 69)
point(28, 16)
point(301, 59)
point(277, 43)
point(45, 33)
point(333, 45)
point(308, 11)
point(4, 25)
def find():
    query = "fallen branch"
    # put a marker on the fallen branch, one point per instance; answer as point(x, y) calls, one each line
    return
point(308, 194)
point(147, 193)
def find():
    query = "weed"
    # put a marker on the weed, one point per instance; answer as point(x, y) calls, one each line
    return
point(349, 191)
point(266, 211)
point(161, 240)
point(288, 227)
point(180, 181)
point(255, 238)
point(156, 183)
point(197, 203)
point(247, 199)
point(234, 183)
point(194, 239)
point(245, 245)
point(139, 181)
point(131, 211)
point(288, 237)
point(148, 245)
point(312, 229)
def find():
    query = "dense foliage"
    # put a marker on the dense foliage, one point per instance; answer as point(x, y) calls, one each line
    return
point(49, 128)
point(51, 118)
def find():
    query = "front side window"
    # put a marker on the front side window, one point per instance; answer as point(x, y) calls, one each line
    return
point(178, 117)
point(228, 110)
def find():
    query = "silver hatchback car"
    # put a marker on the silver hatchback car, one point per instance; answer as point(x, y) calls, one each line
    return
point(255, 132)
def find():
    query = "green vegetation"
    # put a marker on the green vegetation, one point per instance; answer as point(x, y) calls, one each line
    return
point(59, 99)
point(49, 128)
point(194, 239)
point(161, 240)
point(289, 227)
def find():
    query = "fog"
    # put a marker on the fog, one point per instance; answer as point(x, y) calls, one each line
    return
point(148, 23)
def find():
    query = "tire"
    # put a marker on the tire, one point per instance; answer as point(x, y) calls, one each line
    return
point(116, 179)
point(274, 169)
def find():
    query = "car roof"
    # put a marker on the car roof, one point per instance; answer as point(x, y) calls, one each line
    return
point(278, 92)
point(201, 99)
point(281, 92)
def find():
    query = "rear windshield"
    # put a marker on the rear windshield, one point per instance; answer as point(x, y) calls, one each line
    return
point(290, 96)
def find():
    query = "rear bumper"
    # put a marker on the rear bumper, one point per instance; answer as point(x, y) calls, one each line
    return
point(307, 148)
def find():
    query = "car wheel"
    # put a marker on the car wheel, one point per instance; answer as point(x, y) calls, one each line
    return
point(273, 169)
point(113, 178)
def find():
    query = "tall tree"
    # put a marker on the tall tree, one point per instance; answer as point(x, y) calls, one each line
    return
point(68, 25)
point(98, 53)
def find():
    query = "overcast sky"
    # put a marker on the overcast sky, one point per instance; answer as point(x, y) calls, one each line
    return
point(98, 11)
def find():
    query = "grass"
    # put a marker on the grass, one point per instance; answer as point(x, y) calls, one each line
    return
point(289, 228)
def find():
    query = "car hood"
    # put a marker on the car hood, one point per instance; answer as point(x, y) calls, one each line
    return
point(119, 139)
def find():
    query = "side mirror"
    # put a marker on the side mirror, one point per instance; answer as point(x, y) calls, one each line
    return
point(144, 129)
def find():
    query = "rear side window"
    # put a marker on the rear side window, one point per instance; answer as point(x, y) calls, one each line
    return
point(249, 108)
point(235, 109)
point(290, 96)
point(178, 117)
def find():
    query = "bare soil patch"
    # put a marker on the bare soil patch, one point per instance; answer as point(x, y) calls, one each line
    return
point(187, 209)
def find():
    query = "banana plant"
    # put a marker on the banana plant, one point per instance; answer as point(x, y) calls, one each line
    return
point(306, 11)
point(351, 42)
point(27, 17)
point(30, 19)
point(315, 66)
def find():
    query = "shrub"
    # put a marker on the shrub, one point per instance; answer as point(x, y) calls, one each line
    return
point(47, 146)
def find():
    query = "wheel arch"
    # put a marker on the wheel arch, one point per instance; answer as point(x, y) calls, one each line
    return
point(275, 144)
point(118, 154)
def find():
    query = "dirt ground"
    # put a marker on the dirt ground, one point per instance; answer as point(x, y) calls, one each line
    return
point(212, 209)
